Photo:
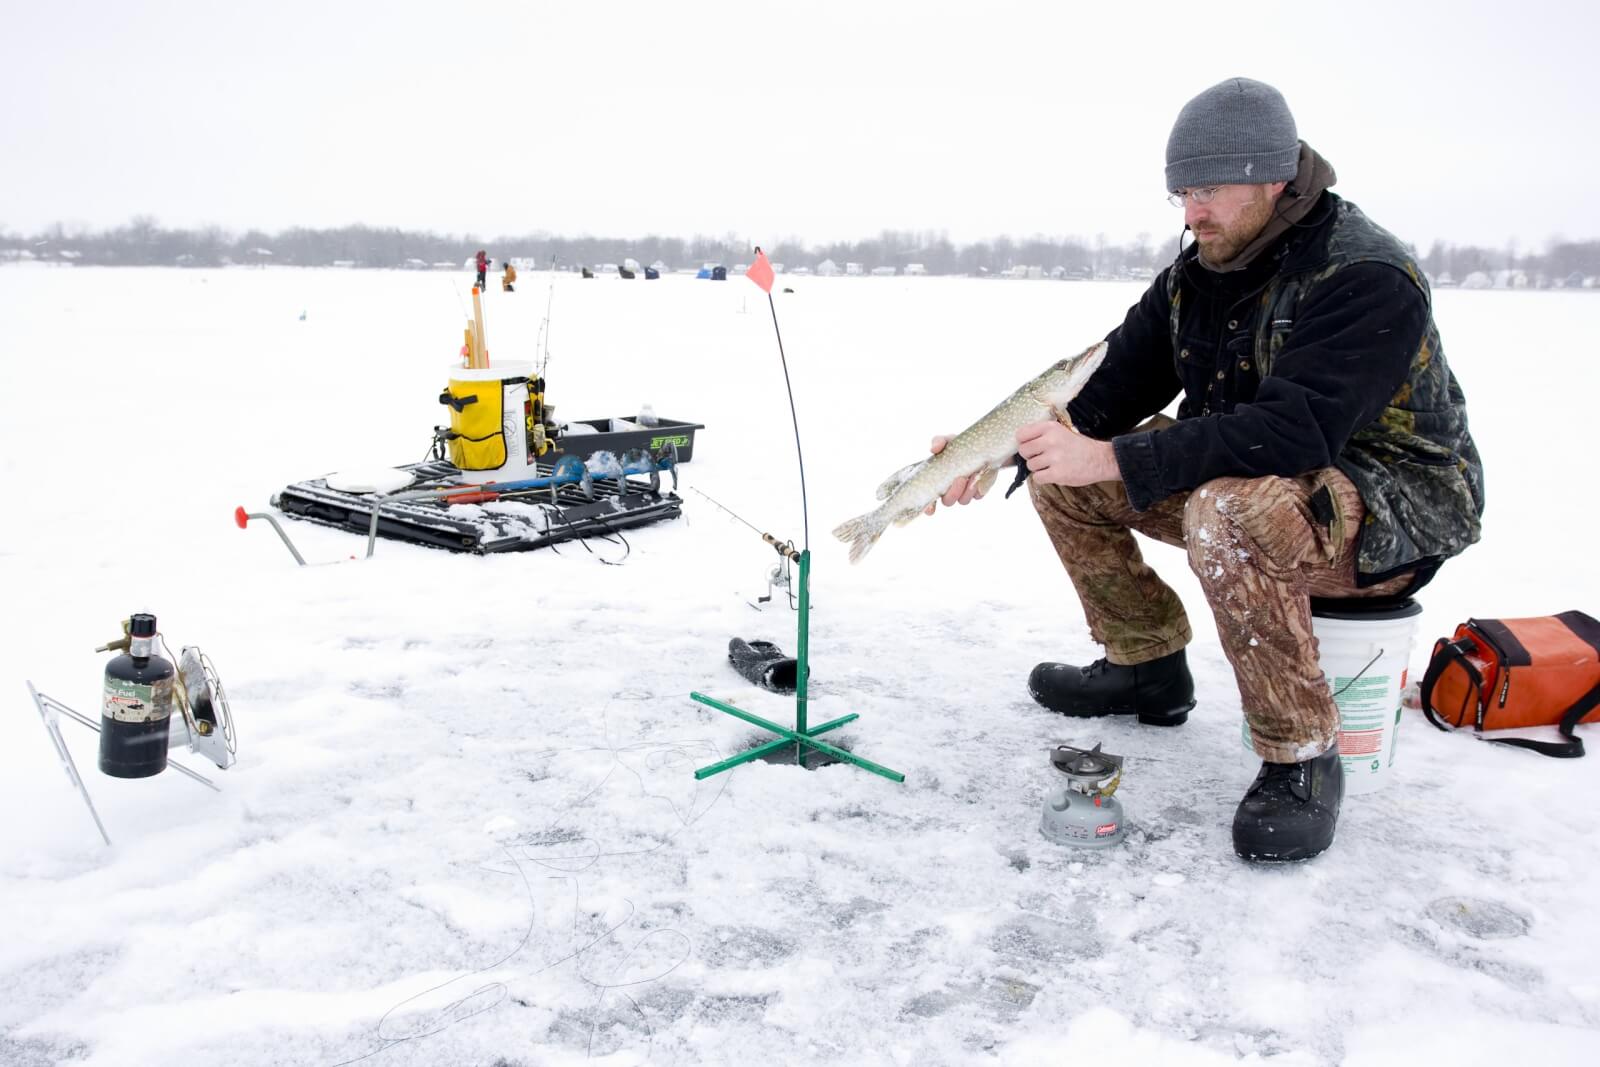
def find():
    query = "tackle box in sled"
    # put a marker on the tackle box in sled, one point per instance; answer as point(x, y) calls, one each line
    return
point(585, 437)
point(595, 507)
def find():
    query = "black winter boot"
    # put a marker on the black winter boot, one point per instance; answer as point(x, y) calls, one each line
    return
point(1160, 692)
point(763, 663)
point(1290, 811)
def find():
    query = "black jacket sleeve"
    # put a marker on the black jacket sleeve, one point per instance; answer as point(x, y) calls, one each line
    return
point(1137, 378)
point(1348, 354)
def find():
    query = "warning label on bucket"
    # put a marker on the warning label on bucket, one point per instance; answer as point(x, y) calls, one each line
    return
point(1360, 742)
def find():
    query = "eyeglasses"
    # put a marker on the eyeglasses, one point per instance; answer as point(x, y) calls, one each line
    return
point(1199, 196)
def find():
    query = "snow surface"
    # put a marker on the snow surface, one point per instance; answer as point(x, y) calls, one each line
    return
point(464, 828)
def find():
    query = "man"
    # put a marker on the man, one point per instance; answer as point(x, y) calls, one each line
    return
point(481, 261)
point(1320, 449)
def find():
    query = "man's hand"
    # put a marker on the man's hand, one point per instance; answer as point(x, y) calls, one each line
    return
point(1060, 455)
point(961, 491)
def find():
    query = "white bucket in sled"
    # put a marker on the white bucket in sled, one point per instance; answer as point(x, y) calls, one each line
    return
point(490, 412)
point(1365, 649)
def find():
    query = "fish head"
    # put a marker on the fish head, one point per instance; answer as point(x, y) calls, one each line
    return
point(1063, 381)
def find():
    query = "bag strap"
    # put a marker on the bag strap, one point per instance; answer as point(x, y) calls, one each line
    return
point(1572, 747)
point(1444, 654)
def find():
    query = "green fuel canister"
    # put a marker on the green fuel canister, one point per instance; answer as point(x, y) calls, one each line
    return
point(136, 707)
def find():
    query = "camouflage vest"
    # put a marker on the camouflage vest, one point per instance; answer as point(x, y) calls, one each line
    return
point(1415, 465)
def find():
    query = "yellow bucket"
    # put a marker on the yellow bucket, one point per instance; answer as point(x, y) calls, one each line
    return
point(490, 412)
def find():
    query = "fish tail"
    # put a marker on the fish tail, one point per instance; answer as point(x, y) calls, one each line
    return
point(860, 533)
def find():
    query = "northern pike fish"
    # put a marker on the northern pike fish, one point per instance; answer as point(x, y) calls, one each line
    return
point(981, 449)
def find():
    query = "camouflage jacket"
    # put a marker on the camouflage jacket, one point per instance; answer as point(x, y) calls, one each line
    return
point(1322, 353)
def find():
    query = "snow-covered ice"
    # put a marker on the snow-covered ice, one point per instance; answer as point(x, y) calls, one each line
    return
point(464, 827)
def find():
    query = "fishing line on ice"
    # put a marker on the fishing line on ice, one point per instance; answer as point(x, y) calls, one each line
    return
point(663, 755)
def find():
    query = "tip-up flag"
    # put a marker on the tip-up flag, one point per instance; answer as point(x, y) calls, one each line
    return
point(760, 271)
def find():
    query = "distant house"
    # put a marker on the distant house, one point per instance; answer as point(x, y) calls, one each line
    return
point(853, 270)
point(915, 269)
point(1477, 280)
point(883, 272)
point(827, 269)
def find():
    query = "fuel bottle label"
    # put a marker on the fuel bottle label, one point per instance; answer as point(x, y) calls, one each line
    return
point(127, 701)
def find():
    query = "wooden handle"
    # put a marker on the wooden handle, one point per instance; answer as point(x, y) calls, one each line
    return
point(783, 548)
point(477, 329)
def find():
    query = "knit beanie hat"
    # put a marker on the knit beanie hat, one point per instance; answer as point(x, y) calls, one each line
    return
point(1238, 132)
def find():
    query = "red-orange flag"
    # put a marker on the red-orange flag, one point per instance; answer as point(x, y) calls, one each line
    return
point(760, 271)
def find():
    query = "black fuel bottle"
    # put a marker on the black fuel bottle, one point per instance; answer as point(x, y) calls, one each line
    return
point(137, 706)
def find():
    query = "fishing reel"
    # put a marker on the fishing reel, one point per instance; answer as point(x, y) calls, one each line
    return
point(781, 576)
point(1081, 810)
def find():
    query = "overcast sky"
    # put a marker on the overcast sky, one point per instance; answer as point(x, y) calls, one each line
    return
point(1469, 121)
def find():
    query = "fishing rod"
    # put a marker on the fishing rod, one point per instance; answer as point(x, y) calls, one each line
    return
point(765, 281)
point(544, 326)
point(785, 549)
point(780, 576)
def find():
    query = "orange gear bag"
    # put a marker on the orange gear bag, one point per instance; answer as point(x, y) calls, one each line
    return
point(1505, 674)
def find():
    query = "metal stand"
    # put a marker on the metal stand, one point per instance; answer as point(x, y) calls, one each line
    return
point(242, 518)
point(50, 710)
point(801, 737)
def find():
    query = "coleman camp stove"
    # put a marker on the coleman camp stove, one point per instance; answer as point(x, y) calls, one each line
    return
point(1079, 809)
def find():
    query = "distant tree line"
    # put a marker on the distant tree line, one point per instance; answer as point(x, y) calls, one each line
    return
point(1562, 263)
point(143, 242)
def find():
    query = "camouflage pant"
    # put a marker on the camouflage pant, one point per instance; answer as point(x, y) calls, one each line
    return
point(1259, 553)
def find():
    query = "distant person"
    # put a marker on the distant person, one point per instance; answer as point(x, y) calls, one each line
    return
point(1320, 449)
point(483, 269)
point(508, 277)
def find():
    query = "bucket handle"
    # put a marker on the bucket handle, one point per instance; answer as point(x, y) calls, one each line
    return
point(1359, 673)
point(458, 402)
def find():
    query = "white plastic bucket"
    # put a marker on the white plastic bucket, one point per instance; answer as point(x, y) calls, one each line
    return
point(1365, 651)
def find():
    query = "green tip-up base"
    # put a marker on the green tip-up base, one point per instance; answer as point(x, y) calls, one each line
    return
point(801, 737)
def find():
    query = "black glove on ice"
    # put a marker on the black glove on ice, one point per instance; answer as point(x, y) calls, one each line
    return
point(763, 663)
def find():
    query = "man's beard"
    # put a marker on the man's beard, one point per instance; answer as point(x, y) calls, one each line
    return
point(1225, 243)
